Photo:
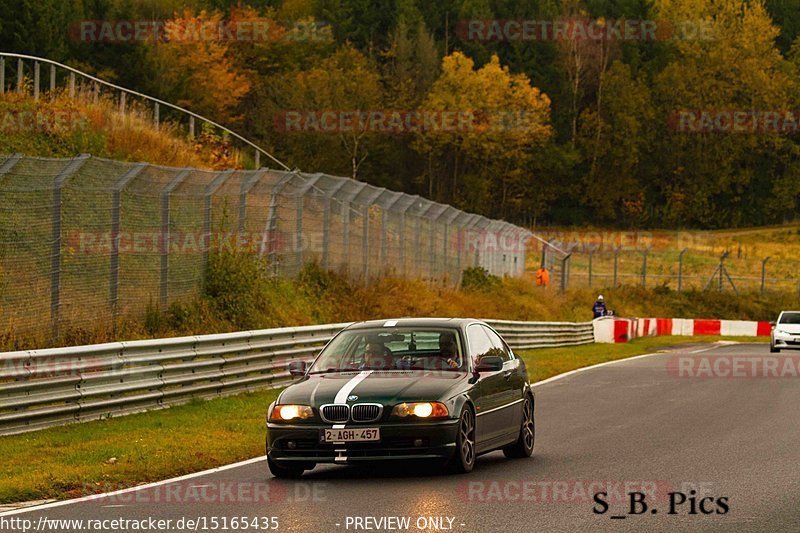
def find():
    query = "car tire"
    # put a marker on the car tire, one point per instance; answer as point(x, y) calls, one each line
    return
point(523, 447)
point(773, 349)
point(285, 472)
point(463, 460)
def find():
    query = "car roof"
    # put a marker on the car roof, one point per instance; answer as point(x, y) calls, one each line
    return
point(458, 323)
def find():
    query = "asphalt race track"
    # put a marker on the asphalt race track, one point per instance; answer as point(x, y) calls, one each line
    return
point(632, 426)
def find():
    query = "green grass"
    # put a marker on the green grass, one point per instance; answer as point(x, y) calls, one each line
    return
point(73, 460)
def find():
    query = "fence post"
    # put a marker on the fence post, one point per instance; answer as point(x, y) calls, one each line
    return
point(36, 72)
point(122, 96)
point(365, 242)
point(55, 256)
point(156, 117)
point(644, 267)
point(326, 230)
point(52, 82)
point(72, 85)
point(247, 184)
point(680, 269)
point(95, 92)
point(591, 255)
point(564, 267)
point(116, 219)
point(384, 239)
point(763, 273)
point(298, 231)
point(417, 251)
point(165, 233)
point(257, 158)
point(208, 195)
point(191, 130)
point(20, 75)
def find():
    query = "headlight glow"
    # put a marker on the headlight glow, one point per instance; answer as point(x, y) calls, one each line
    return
point(421, 410)
point(290, 412)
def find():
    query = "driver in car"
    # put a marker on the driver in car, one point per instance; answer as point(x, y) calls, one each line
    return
point(377, 356)
point(448, 349)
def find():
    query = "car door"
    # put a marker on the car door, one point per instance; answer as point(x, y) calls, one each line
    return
point(490, 419)
point(514, 381)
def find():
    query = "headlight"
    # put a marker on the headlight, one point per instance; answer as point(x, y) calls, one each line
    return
point(290, 412)
point(421, 410)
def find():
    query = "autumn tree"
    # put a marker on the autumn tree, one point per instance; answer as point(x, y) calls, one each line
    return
point(482, 160)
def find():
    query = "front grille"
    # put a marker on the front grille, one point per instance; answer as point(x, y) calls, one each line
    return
point(366, 412)
point(336, 413)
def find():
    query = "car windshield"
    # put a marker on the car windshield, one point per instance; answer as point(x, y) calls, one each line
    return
point(790, 318)
point(397, 349)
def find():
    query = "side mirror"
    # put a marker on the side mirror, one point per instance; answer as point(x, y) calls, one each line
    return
point(298, 368)
point(772, 323)
point(490, 363)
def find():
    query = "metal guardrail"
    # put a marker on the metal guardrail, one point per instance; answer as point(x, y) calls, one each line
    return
point(123, 93)
point(45, 388)
point(530, 335)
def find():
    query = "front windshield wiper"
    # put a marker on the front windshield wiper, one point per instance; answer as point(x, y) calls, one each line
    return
point(333, 370)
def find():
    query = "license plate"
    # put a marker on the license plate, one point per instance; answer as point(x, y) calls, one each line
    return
point(350, 435)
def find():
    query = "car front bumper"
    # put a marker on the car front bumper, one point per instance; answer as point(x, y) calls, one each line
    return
point(301, 443)
point(783, 340)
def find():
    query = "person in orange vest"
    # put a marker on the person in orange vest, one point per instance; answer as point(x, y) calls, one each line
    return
point(542, 277)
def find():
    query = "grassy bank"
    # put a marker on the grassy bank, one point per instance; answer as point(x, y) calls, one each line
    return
point(240, 295)
point(75, 460)
point(65, 127)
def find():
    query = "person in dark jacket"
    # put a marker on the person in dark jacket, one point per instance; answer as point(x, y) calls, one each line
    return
point(599, 307)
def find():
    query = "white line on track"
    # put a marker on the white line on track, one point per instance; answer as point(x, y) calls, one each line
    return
point(264, 457)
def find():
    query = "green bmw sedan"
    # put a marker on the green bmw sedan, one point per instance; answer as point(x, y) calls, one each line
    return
point(439, 389)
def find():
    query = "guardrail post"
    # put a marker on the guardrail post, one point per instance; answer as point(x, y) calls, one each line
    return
point(55, 255)
point(165, 232)
point(156, 117)
point(680, 268)
point(36, 69)
point(763, 273)
point(72, 85)
point(20, 75)
point(191, 129)
point(52, 82)
point(116, 219)
point(258, 159)
point(95, 93)
point(122, 103)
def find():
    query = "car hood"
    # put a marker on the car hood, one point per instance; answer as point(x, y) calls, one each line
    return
point(794, 329)
point(387, 388)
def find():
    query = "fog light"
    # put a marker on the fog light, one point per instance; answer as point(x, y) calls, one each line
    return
point(291, 445)
point(417, 442)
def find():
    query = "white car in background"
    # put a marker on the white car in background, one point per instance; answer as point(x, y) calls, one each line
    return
point(786, 332)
